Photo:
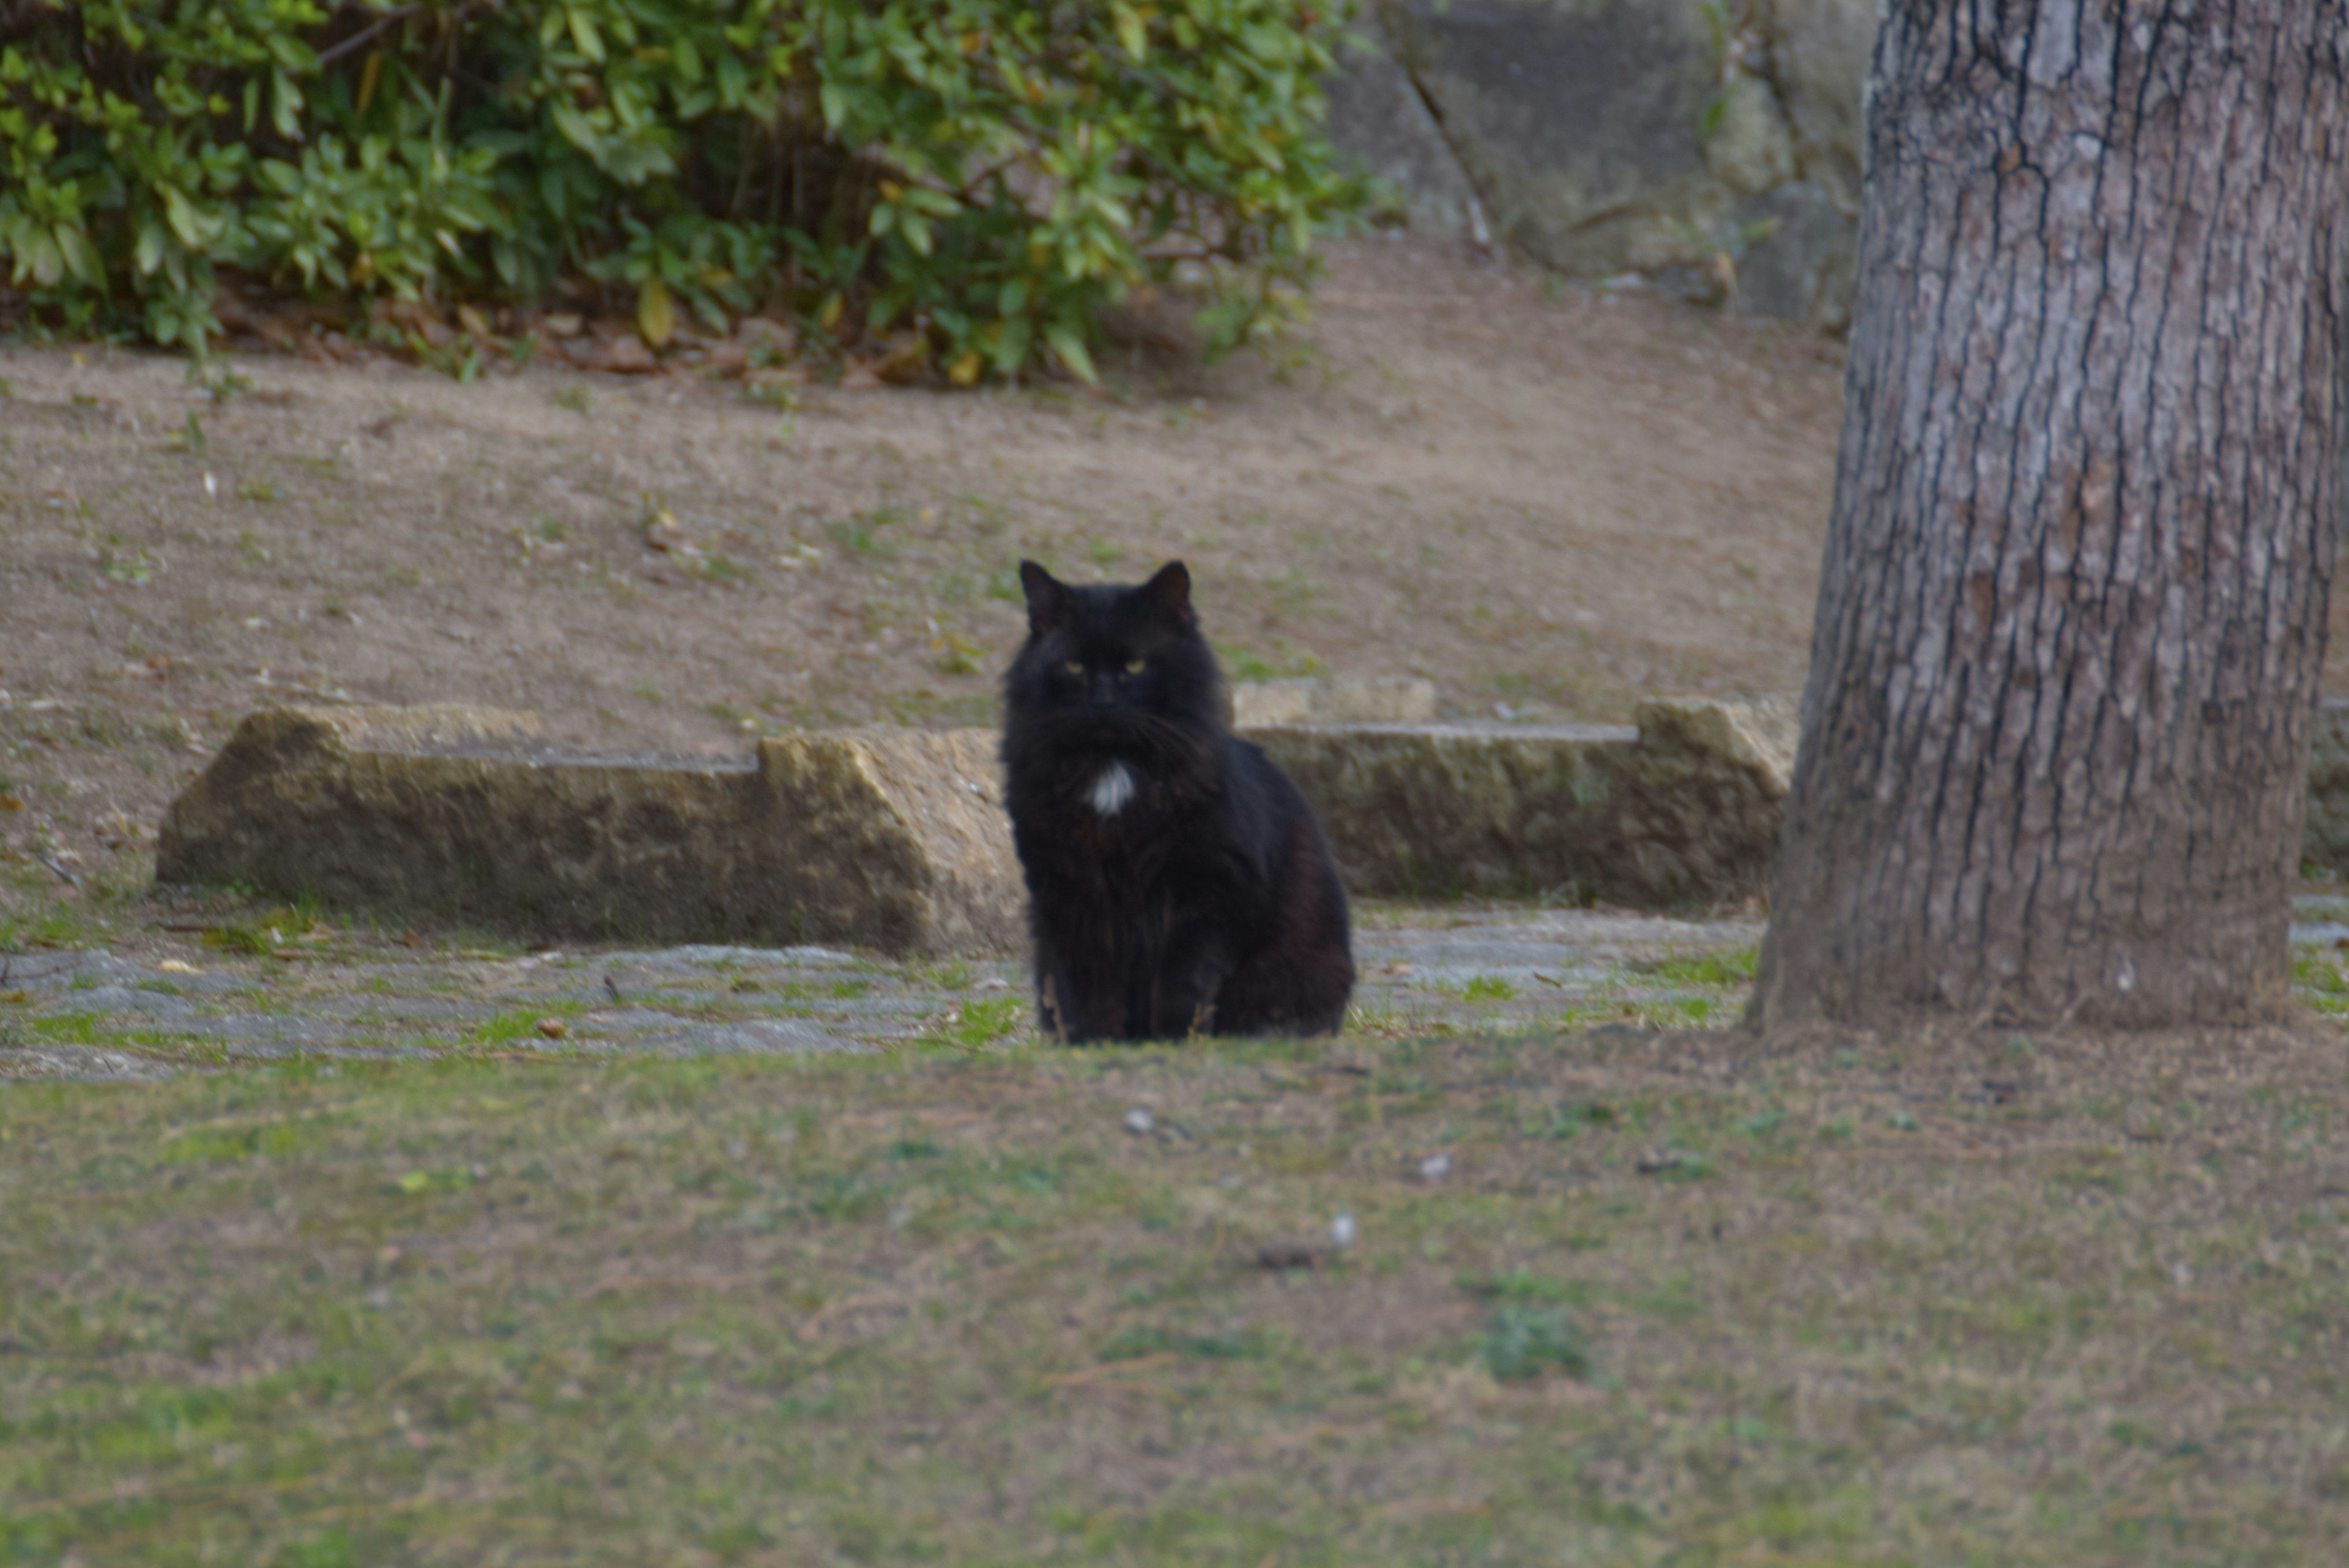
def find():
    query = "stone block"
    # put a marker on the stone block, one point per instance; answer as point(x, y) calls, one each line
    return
point(1400, 700)
point(1606, 136)
point(1798, 265)
point(1578, 122)
point(1819, 52)
point(1379, 121)
point(896, 839)
point(1681, 808)
point(888, 839)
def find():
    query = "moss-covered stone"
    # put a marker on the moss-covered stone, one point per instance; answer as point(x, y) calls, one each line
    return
point(1682, 808)
point(896, 839)
point(889, 839)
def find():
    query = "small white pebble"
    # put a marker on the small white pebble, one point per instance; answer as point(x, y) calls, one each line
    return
point(1138, 1120)
point(1435, 1168)
point(1341, 1228)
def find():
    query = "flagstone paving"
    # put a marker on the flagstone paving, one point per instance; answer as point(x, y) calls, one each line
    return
point(327, 992)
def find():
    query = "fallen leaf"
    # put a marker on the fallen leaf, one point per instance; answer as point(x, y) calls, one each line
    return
point(656, 312)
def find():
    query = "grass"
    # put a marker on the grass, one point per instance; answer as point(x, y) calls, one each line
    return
point(949, 1305)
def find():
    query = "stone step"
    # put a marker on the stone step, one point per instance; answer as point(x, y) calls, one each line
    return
point(896, 839)
point(888, 839)
point(1681, 807)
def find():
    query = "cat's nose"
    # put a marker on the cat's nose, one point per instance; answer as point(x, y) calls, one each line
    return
point(1105, 691)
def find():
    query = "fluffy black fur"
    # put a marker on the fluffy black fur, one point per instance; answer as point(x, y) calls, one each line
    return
point(1205, 901)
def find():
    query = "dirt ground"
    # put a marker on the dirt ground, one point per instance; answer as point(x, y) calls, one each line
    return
point(1551, 501)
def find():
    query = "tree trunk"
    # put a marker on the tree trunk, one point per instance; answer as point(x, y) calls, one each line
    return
point(2055, 735)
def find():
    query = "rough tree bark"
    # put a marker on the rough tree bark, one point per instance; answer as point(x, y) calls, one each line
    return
point(2064, 665)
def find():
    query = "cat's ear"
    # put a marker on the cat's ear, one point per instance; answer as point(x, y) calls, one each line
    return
point(1171, 589)
point(1047, 597)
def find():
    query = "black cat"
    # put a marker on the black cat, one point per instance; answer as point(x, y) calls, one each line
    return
point(1177, 883)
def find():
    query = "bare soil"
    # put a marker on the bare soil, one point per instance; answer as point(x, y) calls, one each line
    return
point(1550, 506)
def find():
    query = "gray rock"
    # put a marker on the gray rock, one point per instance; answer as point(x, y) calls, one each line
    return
point(267, 1035)
point(1749, 148)
point(763, 1037)
point(1577, 120)
point(58, 968)
point(91, 1063)
point(1797, 265)
point(115, 998)
point(1606, 136)
point(1379, 122)
point(687, 960)
point(1819, 52)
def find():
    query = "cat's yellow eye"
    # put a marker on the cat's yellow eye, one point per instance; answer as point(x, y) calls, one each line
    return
point(1133, 666)
point(1074, 666)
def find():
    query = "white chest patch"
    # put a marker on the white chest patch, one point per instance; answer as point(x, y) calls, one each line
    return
point(1111, 791)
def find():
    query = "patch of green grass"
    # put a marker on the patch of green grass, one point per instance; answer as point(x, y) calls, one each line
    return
point(1487, 988)
point(71, 1029)
point(1734, 968)
point(975, 1025)
point(923, 1305)
point(1523, 1285)
point(521, 1023)
point(1522, 1341)
point(859, 533)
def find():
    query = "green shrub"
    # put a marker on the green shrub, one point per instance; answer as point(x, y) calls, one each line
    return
point(975, 177)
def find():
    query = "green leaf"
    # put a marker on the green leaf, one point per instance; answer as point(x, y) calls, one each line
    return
point(194, 230)
point(583, 35)
point(81, 257)
point(148, 252)
point(576, 129)
point(286, 106)
point(37, 255)
point(656, 312)
point(1131, 34)
point(1070, 348)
